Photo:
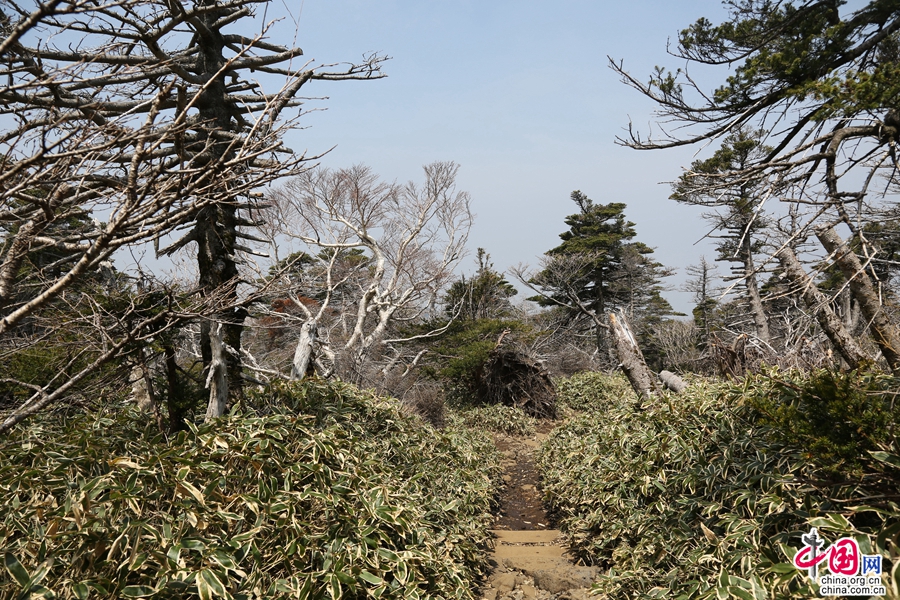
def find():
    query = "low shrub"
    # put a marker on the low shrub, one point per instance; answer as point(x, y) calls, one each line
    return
point(498, 418)
point(594, 391)
point(693, 498)
point(838, 419)
point(333, 493)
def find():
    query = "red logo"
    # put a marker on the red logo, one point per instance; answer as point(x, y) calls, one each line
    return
point(843, 555)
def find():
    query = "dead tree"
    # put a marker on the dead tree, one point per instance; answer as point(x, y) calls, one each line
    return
point(631, 359)
point(149, 115)
point(672, 382)
point(513, 378)
point(883, 331)
point(303, 356)
point(381, 255)
point(820, 306)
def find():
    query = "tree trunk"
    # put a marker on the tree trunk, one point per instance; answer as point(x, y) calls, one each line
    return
point(141, 393)
point(818, 303)
point(867, 298)
point(303, 363)
point(672, 382)
point(174, 401)
point(217, 378)
point(216, 228)
point(756, 307)
point(630, 357)
point(142, 389)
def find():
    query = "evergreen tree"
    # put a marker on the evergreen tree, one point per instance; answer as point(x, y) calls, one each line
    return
point(484, 296)
point(598, 268)
point(738, 216)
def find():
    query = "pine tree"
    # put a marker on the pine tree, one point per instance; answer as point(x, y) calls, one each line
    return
point(739, 218)
point(486, 295)
point(598, 268)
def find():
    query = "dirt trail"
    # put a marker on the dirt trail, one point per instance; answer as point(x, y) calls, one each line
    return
point(530, 558)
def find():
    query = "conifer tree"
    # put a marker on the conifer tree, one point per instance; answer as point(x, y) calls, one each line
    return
point(598, 269)
point(738, 218)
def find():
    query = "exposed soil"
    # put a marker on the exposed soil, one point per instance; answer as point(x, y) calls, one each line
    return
point(530, 557)
point(520, 503)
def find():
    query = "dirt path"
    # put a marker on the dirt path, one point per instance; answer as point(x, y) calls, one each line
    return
point(529, 556)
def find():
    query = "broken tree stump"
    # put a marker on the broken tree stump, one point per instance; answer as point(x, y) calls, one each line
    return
point(302, 365)
point(631, 359)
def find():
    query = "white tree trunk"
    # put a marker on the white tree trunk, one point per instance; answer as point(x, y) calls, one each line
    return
point(304, 352)
point(630, 357)
point(818, 303)
point(140, 392)
point(756, 308)
point(216, 380)
point(883, 330)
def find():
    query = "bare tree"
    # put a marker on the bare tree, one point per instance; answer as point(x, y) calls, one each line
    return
point(631, 359)
point(883, 330)
point(701, 285)
point(131, 119)
point(830, 323)
point(677, 341)
point(384, 253)
point(814, 76)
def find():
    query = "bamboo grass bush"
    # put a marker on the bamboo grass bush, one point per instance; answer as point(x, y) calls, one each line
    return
point(696, 497)
point(593, 391)
point(331, 494)
point(498, 418)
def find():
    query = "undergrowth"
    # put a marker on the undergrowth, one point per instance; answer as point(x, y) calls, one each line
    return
point(498, 418)
point(696, 497)
point(333, 493)
point(594, 391)
point(838, 419)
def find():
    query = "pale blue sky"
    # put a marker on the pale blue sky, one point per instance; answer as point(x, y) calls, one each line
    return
point(520, 95)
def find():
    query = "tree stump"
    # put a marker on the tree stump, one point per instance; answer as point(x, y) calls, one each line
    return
point(631, 359)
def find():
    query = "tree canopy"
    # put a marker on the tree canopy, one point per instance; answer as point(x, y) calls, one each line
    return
point(599, 268)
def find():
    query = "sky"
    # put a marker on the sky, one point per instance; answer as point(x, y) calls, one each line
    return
point(520, 95)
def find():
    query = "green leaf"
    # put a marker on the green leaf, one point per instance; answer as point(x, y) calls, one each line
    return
point(833, 521)
point(138, 591)
point(203, 589)
point(81, 590)
point(216, 587)
point(243, 537)
point(15, 568)
point(370, 578)
point(783, 568)
point(41, 572)
point(740, 592)
point(224, 559)
point(334, 589)
point(188, 488)
point(885, 457)
point(39, 591)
